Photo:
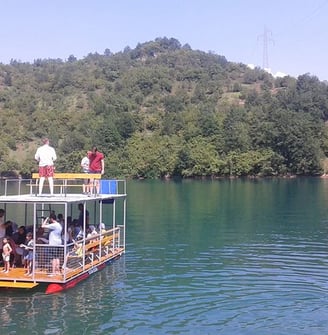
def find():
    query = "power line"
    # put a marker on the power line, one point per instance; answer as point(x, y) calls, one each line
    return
point(303, 20)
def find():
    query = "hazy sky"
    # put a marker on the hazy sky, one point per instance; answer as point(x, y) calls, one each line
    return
point(297, 30)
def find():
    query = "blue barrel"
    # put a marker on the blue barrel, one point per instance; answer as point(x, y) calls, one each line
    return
point(108, 186)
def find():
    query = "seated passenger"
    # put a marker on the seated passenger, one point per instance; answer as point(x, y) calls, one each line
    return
point(20, 236)
point(77, 251)
point(77, 232)
point(41, 236)
point(69, 233)
point(79, 235)
point(102, 228)
point(91, 232)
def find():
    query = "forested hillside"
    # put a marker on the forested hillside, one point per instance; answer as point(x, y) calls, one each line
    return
point(162, 110)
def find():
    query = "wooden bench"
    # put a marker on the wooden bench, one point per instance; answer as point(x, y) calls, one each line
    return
point(92, 245)
point(65, 177)
point(103, 242)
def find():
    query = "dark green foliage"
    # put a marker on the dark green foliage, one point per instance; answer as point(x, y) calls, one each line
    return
point(236, 132)
point(107, 135)
point(163, 110)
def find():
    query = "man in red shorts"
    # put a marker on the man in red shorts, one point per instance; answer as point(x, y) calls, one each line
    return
point(96, 165)
point(46, 155)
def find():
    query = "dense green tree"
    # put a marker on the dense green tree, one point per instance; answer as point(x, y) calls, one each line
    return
point(236, 132)
point(199, 159)
point(160, 110)
point(295, 137)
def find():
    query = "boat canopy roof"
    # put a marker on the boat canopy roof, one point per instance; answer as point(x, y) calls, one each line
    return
point(57, 198)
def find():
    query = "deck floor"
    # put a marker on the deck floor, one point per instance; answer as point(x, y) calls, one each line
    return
point(18, 274)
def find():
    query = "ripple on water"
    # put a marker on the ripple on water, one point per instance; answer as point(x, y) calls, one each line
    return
point(259, 287)
point(242, 288)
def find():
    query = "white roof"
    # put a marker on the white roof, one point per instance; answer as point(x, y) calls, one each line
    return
point(56, 198)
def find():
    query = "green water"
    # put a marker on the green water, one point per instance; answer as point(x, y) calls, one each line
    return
point(203, 257)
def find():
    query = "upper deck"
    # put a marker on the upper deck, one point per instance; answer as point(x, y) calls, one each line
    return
point(57, 198)
point(24, 191)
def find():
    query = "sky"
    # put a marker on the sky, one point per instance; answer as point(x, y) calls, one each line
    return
point(288, 36)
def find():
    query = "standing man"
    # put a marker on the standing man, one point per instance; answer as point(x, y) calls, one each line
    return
point(96, 165)
point(45, 156)
point(55, 241)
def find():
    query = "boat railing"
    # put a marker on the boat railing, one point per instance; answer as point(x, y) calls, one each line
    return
point(17, 186)
point(20, 186)
point(76, 257)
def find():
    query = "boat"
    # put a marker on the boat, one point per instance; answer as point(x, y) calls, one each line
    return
point(107, 212)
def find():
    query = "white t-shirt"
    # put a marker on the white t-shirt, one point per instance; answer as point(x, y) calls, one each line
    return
point(85, 164)
point(45, 155)
point(55, 233)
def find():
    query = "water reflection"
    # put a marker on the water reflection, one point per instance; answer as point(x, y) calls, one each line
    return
point(85, 309)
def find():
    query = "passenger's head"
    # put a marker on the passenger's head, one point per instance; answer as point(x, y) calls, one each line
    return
point(45, 140)
point(21, 230)
point(52, 216)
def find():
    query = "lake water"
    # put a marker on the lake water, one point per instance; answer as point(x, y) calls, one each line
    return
point(203, 257)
